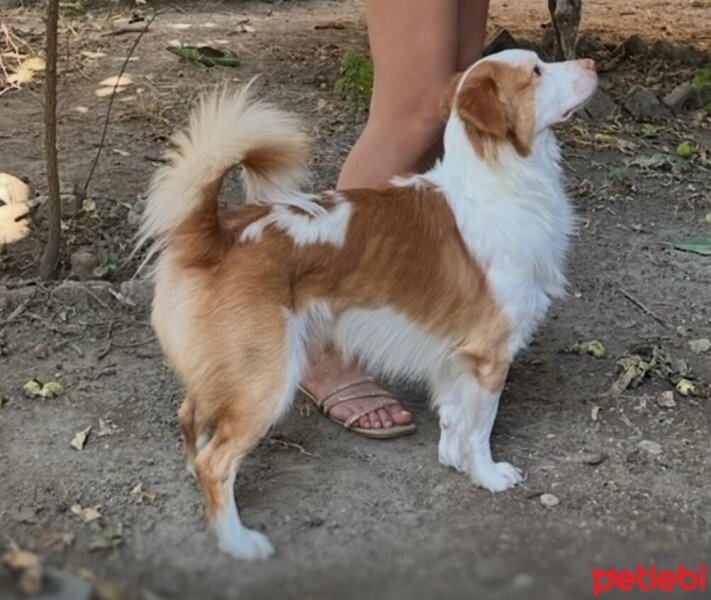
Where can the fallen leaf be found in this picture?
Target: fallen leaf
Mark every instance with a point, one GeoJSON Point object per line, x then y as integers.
{"type": "Point", "coordinates": [14, 222]}
{"type": "Point", "coordinates": [49, 538]}
{"type": "Point", "coordinates": [696, 245]}
{"type": "Point", "coordinates": [206, 55]}
{"type": "Point", "coordinates": [26, 71]}
{"type": "Point", "coordinates": [686, 387]}
{"type": "Point", "coordinates": [81, 109]}
{"type": "Point", "coordinates": [700, 346]}
{"type": "Point", "coordinates": [141, 496]}
{"type": "Point", "coordinates": [633, 368]}
{"type": "Point", "coordinates": [51, 389]}
{"type": "Point", "coordinates": [80, 438]}
{"type": "Point", "coordinates": [594, 347]}
{"type": "Point", "coordinates": [88, 514]}
{"type": "Point", "coordinates": [26, 567]}
{"type": "Point", "coordinates": [108, 85]}
{"type": "Point", "coordinates": [91, 54]}
{"type": "Point", "coordinates": [13, 190]}
{"type": "Point", "coordinates": [32, 388]}
{"type": "Point", "coordinates": [666, 400]}
{"type": "Point", "coordinates": [107, 536]}
{"type": "Point", "coordinates": [106, 428]}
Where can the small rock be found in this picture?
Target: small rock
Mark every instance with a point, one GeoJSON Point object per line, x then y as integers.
{"type": "Point", "coordinates": [700, 346]}
{"type": "Point", "coordinates": [83, 262]}
{"type": "Point", "coordinates": [644, 105]}
{"type": "Point", "coordinates": [635, 46]}
{"type": "Point", "coordinates": [502, 40]}
{"type": "Point", "coordinates": [589, 44]}
{"type": "Point", "coordinates": [69, 202]}
{"type": "Point", "coordinates": [549, 500]}
{"type": "Point", "coordinates": [690, 56]}
{"type": "Point", "coordinates": [650, 447]}
{"type": "Point", "coordinates": [593, 458]}
{"type": "Point", "coordinates": [684, 98]}
{"type": "Point", "coordinates": [40, 351]}
{"type": "Point", "coordinates": [666, 400]}
{"type": "Point", "coordinates": [138, 290]}
{"type": "Point", "coordinates": [663, 49]}
{"type": "Point", "coordinates": [522, 580]}
{"type": "Point", "coordinates": [601, 105]}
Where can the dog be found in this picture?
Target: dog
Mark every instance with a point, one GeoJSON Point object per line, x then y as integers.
{"type": "Point", "coordinates": [440, 277]}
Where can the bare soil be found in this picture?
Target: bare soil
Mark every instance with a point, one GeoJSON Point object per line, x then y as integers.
{"type": "Point", "coordinates": [353, 518]}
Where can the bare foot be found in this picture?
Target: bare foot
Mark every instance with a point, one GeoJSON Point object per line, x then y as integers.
{"type": "Point", "coordinates": [326, 373]}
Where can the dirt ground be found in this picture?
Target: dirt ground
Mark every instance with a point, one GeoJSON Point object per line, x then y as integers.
{"type": "Point", "coordinates": [353, 518]}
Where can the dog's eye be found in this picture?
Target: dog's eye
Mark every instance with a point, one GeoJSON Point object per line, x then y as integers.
{"type": "Point", "coordinates": [537, 71]}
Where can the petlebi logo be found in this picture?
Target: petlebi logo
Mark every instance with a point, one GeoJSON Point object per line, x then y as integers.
{"type": "Point", "coordinates": [649, 579]}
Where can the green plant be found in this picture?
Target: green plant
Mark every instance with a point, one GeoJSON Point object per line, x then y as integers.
{"type": "Point", "coordinates": [356, 81]}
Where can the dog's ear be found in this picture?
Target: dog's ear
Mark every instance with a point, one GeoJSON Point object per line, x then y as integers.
{"type": "Point", "coordinates": [481, 108]}
{"type": "Point", "coordinates": [447, 100]}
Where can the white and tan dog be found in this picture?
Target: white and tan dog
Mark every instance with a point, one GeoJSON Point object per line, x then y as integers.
{"type": "Point", "coordinates": [441, 277]}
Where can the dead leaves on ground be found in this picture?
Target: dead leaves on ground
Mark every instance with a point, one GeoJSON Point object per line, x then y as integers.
{"type": "Point", "coordinates": [26, 568]}
{"type": "Point", "coordinates": [644, 361]}
{"type": "Point", "coordinates": [80, 439]}
{"type": "Point", "coordinates": [15, 205]}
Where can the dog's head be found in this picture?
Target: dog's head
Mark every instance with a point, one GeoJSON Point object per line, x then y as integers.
{"type": "Point", "coordinates": [512, 96]}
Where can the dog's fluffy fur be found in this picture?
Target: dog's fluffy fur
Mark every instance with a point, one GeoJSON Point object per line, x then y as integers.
{"type": "Point", "coordinates": [441, 277]}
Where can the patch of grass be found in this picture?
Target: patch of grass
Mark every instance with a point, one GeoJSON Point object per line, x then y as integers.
{"type": "Point", "coordinates": [355, 84]}
{"type": "Point", "coordinates": [702, 78]}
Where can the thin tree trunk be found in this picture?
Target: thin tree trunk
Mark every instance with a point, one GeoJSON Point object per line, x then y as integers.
{"type": "Point", "coordinates": [50, 256]}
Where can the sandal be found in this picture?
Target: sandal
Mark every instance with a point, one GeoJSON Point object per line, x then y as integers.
{"type": "Point", "coordinates": [378, 399]}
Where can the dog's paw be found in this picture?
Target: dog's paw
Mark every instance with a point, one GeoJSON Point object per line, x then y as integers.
{"type": "Point", "coordinates": [248, 545]}
{"type": "Point", "coordinates": [497, 477]}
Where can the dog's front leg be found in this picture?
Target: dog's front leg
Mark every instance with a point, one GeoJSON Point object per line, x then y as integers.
{"type": "Point", "coordinates": [479, 402]}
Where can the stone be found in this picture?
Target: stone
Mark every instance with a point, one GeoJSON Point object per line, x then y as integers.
{"type": "Point", "coordinates": [651, 447]}
{"type": "Point", "coordinates": [600, 106]}
{"type": "Point", "coordinates": [83, 263]}
{"type": "Point", "coordinates": [635, 46]}
{"type": "Point", "coordinates": [684, 98]}
{"type": "Point", "coordinates": [502, 40]}
{"type": "Point", "coordinates": [644, 105]}
{"type": "Point", "coordinates": [663, 49]}
{"type": "Point", "coordinates": [140, 291]}
{"type": "Point", "coordinates": [690, 56]}
{"type": "Point", "coordinates": [666, 400]}
{"type": "Point", "coordinates": [549, 500]}
{"type": "Point", "coordinates": [589, 44]}
{"type": "Point", "coordinates": [40, 351]}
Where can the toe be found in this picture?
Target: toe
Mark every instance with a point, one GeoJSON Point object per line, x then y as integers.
{"type": "Point", "coordinates": [399, 415]}
{"type": "Point", "coordinates": [384, 417]}
{"type": "Point", "coordinates": [375, 420]}
{"type": "Point", "coordinates": [364, 422]}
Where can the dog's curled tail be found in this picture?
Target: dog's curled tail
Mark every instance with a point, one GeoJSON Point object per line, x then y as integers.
{"type": "Point", "coordinates": [226, 129]}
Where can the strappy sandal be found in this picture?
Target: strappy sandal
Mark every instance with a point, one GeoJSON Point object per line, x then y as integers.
{"type": "Point", "coordinates": [372, 401]}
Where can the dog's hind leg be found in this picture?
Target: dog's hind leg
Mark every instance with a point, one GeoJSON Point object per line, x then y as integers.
{"type": "Point", "coordinates": [216, 466]}
{"type": "Point", "coordinates": [246, 398]}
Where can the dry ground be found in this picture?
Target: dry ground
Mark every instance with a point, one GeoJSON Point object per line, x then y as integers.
{"type": "Point", "coordinates": [353, 518]}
